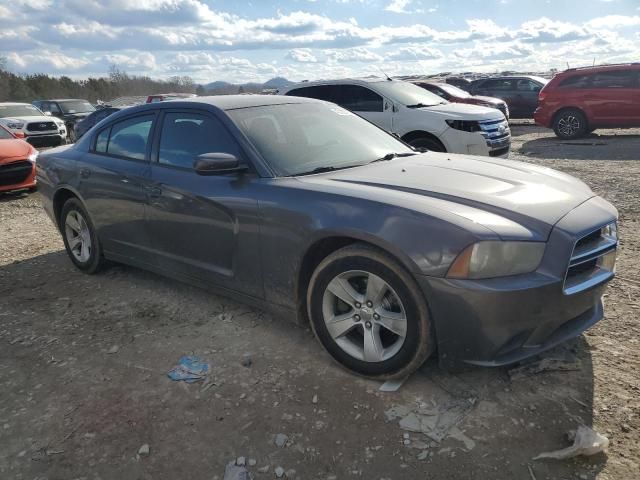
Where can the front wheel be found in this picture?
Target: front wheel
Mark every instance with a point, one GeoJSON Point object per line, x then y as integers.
{"type": "Point", "coordinates": [80, 238]}
{"type": "Point", "coordinates": [570, 124]}
{"type": "Point", "coordinates": [369, 314]}
{"type": "Point", "coordinates": [427, 143]}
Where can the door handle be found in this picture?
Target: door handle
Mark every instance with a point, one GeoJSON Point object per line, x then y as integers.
{"type": "Point", "coordinates": [153, 191]}
{"type": "Point", "coordinates": [85, 173]}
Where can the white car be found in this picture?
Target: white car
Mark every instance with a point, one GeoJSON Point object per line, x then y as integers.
{"type": "Point", "coordinates": [420, 118]}
{"type": "Point", "coordinates": [26, 121]}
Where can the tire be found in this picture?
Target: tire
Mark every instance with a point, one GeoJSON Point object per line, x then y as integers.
{"type": "Point", "coordinates": [32, 189]}
{"type": "Point", "coordinates": [570, 123]}
{"type": "Point", "coordinates": [395, 295]}
{"type": "Point", "coordinates": [427, 143]}
{"type": "Point", "coordinates": [71, 135]}
{"type": "Point", "coordinates": [86, 253]}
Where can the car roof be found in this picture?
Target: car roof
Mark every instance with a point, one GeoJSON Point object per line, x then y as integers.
{"type": "Point", "coordinates": [339, 81]}
{"type": "Point", "coordinates": [64, 100]}
{"type": "Point", "coordinates": [15, 103]}
{"type": "Point", "coordinates": [601, 68]}
{"type": "Point", "coordinates": [513, 77]}
{"type": "Point", "coordinates": [232, 102]}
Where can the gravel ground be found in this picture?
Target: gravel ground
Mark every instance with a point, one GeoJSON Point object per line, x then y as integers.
{"type": "Point", "coordinates": [83, 362]}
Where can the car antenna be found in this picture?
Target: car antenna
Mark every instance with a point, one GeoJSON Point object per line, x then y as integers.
{"type": "Point", "coordinates": [568, 67]}
{"type": "Point", "coordinates": [594, 62]}
{"type": "Point", "coordinates": [388, 77]}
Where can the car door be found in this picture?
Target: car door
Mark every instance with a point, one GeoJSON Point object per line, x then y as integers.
{"type": "Point", "coordinates": [368, 104]}
{"type": "Point", "coordinates": [610, 98]}
{"type": "Point", "coordinates": [503, 88]}
{"type": "Point", "coordinates": [526, 96]}
{"type": "Point", "coordinates": [112, 177]}
{"type": "Point", "coordinates": [203, 227]}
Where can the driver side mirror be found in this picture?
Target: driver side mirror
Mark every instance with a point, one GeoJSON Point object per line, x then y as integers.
{"type": "Point", "coordinates": [217, 163]}
{"type": "Point", "coordinates": [47, 113]}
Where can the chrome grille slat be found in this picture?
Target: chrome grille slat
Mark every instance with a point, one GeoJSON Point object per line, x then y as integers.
{"type": "Point", "coordinates": [592, 247]}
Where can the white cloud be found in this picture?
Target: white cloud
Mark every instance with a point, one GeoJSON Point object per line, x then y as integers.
{"type": "Point", "coordinates": [614, 21]}
{"type": "Point", "coordinates": [398, 6]}
{"type": "Point", "coordinates": [302, 55]}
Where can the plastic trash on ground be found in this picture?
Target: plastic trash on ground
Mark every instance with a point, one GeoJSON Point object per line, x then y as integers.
{"type": "Point", "coordinates": [587, 442]}
{"type": "Point", "coordinates": [189, 369]}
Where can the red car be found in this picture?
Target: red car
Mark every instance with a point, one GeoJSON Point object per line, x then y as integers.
{"type": "Point", "coordinates": [17, 163]}
{"type": "Point", "coordinates": [579, 100]}
{"type": "Point", "coordinates": [454, 94]}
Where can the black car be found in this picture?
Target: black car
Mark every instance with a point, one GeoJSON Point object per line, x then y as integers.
{"type": "Point", "coordinates": [459, 82]}
{"type": "Point", "coordinates": [68, 109]}
{"type": "Point", "coordinates": [520, 92]}
{"type": "Point", "coordinates": [84, 125]}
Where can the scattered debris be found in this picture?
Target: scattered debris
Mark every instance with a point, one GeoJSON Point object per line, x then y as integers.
{"type": "Point", "coordinates": [561, 363]}
{"type": "Point", "coordinates": [264, 469]}
{"type": "Point", "coordinates": [235, 472]}
{"type": "Point", "coordinates": [189, 369]}
{"type": "Point", "coordinates": [436, 421]}
{"type": "Point", "coordinates": [246, 360]}
{"type": "Point", "coordinates": [279, 472]}
{"type": "Point", "coordinates": [113, 349]}
{"type": "Point", "coordinates": [281, 440]}
{"type": "Point", "coordinates": [240, 461]}
{"type": "Point", "coordinates": [392, 385]}
{"type": "Point", "coordinates": [144, 450]}
{"type": "Point", "coordinates": [531, 474]}
{"type": "Point", "coordinates": [458, 434]}
{"type": "Point", "coordinates": [587, 442]}
{"type": "Point", "coordinates": [314, 399]}
{"type": "Point", "coordinates": [252, 462]}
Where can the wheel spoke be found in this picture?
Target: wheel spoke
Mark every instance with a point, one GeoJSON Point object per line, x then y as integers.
{"type": "Point", "coordinates": [340, 325]}
{"type": "Point", "coordinates": [373, 349]}
{"type": "Point", "coordinates": [85, 251]}
{"type": "Point", "coordinates": [342, 289]}
{"type": "Point", "coordinates": [394, 322]}
{"type": "Point", "coordinates": [73, 223]}
{"type": "Point", "coordinates": [74, 242]}
{"type": "Point", "coordinates": [376, 288]}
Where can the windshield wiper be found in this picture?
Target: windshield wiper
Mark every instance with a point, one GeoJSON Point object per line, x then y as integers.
{"type": "Point", "coordinates": [419, 105]}
{"type": "Point", "coordinates": [322, 170]}
{"type": "Point", "coordinates": [392, 155]}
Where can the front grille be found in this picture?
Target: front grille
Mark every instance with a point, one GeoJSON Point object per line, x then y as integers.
{"type": "Point", "coordinates": [497, 134]}
{"type": "Point", "coordinates": [591, 262]}
{"type": "Point", "coordinates": [41, 126]}
{"type": "Point", "coordinates": [15, 172]}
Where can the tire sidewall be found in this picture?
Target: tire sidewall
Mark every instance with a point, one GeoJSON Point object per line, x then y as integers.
{"type": "Point", "coordinates": [428, 143]}
{"type": "Point", "coordinates": [95, 259]}
{"type": "Point", "coordinates": [415, 323]}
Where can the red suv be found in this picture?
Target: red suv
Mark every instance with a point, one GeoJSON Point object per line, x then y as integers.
{"type": "Point", "coordinates": [579, 100]}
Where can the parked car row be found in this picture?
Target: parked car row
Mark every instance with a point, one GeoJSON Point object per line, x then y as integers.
{"type": "Point", "coordinates": [304, 208]}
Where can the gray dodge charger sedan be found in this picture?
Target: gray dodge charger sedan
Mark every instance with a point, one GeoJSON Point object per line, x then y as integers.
{"type": "Point", "coordinates": [303, 208]}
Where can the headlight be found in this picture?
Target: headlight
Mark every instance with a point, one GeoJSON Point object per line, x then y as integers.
{"type": "Point", "coordinates": [33, 157]}
{"type": "Point", "coordinates": [610, 231]}
{"type": "Point", "coordinates": [15, 126]}
{"type": "Point", "coordinates": [497, 259]}
{"type": "Point", "coordinates": [464, 125]}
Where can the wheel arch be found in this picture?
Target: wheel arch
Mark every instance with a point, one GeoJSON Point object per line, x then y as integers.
{"type": "Point", "coordinates": [554, 117]}
{"type": "Point", "coordinates": [60, 197]}
{"type": "Point", "coordinates": [322, 247]}
{"type": "Point", "coordinates": [414, 134]}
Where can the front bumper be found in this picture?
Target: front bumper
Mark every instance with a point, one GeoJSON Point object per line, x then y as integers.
{"type": "Point", "coordinates": [500, 321]}
{"type": "Point", "coordinates": [493, 141]}
{"type": "Point", "coordinates": [543, 117]}
{"type": "Point", "coordinates": [18, 175]}
{"type": "Point", "coordinates": [47, 140]}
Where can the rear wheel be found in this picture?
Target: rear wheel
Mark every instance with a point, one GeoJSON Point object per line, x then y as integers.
{"type": "Point", "coordinates": [79, 236]}
{"type": "Point", "coordinates": [369, 314]}
{"type": "Point", "coordinates": [570, 123]}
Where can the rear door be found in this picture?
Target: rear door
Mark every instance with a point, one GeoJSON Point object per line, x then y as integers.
{"type": "Point", "coordinates": [503, 88]}
{"type": "Point", "coordinates": [610, 98]}
{"type": "Point", "coordinates": [526, 96]}
{"type": "Point", "coordinates": [113, 175]}
{"type": "Point", "coordinates": [203, 227]}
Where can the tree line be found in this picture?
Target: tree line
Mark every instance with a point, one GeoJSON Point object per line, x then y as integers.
{"type": "Point", "coordinates": [27, 88]}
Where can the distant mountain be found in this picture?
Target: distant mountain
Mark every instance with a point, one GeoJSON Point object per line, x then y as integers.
{"type": "Point", "coordinates": [221, 88]}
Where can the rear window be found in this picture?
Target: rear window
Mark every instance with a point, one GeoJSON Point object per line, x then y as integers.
{"type": "Point", "coordinates": [614, 79]}
{"type": "Point", "coordinates": [576, 81]}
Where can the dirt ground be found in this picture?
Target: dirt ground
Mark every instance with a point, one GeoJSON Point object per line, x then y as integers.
{"type": "Point", "coordinates": [84, 361]}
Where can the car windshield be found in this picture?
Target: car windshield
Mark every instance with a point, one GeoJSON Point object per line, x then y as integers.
{"type": "Point", "coordinates": [407, 93]}
{"type": "Point", "coordinates": [19, 111]}
{"type": "Point", "coordinates": [4, 135]}
{"type": "Point", "coordinates": [76, 106]}
{"type": "Point", "coordinates": [455, 91]}
{"type": "Point", "coordinates": [302, 138]}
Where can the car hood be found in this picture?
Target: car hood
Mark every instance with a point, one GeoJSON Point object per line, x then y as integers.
{"type": "Point", "coordinates": [533, 196]}
{"type": "Point", "coordinates": [28, 118]}
{"type": "Point", "coordinates": [491, 100]}
{"type": "Point", "coordinates": [12, 148]}
{"type": "Point", "coordinates": [461, 111]}
{"type": "Point", "coordinates": [76, 116]}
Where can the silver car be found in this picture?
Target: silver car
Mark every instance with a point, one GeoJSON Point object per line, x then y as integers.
{"type": "Point", "coordinates": [303, 208]}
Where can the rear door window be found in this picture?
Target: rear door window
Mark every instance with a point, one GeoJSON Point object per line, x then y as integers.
{"type": "Point", "coordinates": [615, 79]}
{"type": "Point", "coordinates": [328, 93]}
{"type": "Point", "coordinates": [498, 85]}
{"type": "Point", "coordinates": [128, 138]}
{"type": "Point", "coordinates": [526, 85]}
{"type": "Point", "coordinates": [576, 81]}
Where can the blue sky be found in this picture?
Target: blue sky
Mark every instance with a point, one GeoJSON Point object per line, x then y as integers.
{"type": "Point", "coordinates": [241, 41]}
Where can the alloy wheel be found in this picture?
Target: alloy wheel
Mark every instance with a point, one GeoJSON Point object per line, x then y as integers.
{"type": "Point", "coordinates": [569, 125]}
{"type": "Point", "coordinates": [364, 316]}
{"type": "Point", "coordinates": [78, 236]}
